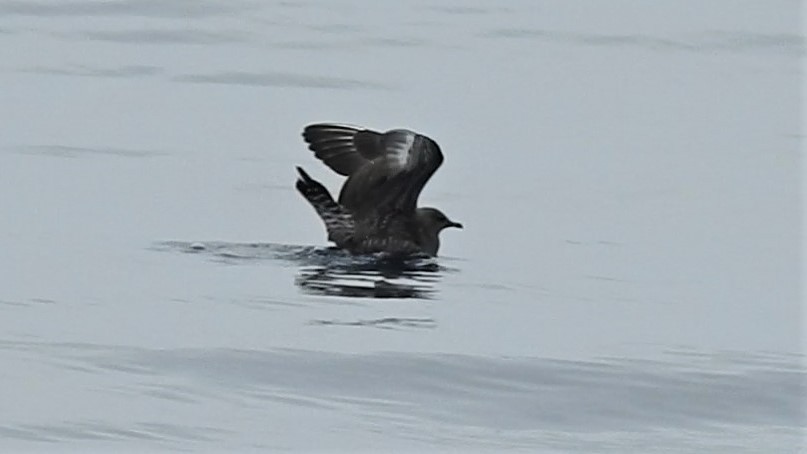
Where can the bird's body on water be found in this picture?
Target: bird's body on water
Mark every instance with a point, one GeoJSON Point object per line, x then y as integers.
{"type": "Point", "coordinates": [377, 206]}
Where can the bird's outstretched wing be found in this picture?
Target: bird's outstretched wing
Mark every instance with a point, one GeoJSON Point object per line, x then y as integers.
{"type": "Point", "coordinates": [338, 223]}
{"type": "Point", "coordinates": [389, 233]}
{"type": "Point", "coordinates": [386, 171]}
{"type": "Point", "coordinates": [343, 148]}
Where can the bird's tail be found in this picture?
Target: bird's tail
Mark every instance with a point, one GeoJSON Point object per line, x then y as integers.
{"type": "Point", "coordinates": [338, 222]}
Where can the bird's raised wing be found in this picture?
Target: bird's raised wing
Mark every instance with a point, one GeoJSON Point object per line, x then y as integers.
{"type": "Point", "coordinates": [386, 171]}
{"type": "Point", "coordinates": [338, 223]}
{"type": "Point", "coordinates": [343, 148]}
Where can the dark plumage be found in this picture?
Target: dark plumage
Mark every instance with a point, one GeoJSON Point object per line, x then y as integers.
{"type": "Point", "coordinates": [377, 207]}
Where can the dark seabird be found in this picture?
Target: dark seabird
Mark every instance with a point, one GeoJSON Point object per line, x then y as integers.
{"type": "Point", "coordinates": [377, 207]}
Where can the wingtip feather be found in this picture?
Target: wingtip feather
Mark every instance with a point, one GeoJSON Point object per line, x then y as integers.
{"type": "Point", "coordinates": [304, 175]}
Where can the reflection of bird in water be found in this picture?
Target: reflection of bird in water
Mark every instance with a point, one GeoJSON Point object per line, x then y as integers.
{"type": "Point", "coordinates": [377, 207]}
{"type": "Point", "coordinates": [376, 277]}
{"type": "Point", "coordinates": [332, 271]}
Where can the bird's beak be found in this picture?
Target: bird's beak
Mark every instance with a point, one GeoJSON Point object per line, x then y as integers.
{"type": "Point", "coordinates": [455, 224]}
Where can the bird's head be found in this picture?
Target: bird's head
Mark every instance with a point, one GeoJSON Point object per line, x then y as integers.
{"type": "Point", "coordinates": [433, 220]}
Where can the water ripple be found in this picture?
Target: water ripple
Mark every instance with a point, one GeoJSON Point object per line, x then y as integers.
{"type": "Point", "coordinates": [87, 71]}
{"type": "Point", "coordinates": [155, 36]}
{"type": "Point", "coordinates": [384, 323]}
{"type": "Point", "coordinates": [126, 8]}
{"type": "Point", "coordinates": [498, 393]}
{"type": "Point", "coordinates": [94, 430]}
{"type": "Point", "coordinates": [706, 42]}
{"type": "Point", "coordinates": [279, 79]}
{"type": "Point", "coordinates": [529, 401]}
{"type": "Point", "coordinates": [330, 271]}
{"type": "Point", "coordinates": [64, 151]}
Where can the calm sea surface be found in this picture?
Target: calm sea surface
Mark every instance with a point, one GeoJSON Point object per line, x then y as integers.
{"type": "Point", "coordinates": [628, 279]}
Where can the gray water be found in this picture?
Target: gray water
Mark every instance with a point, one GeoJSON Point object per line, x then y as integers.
{"type": "Point", "coordinates": [628, 279]}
